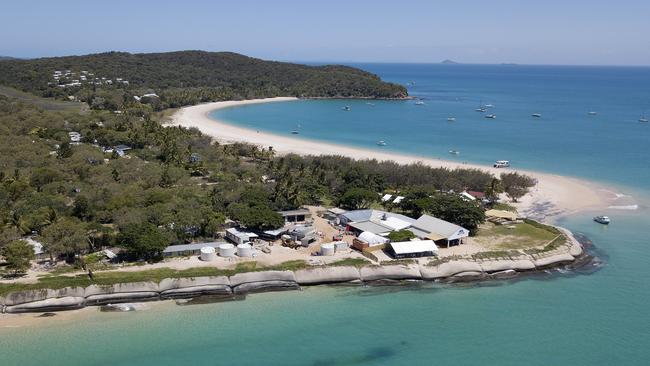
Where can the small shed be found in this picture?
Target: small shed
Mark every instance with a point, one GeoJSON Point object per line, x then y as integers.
{"type": "Point", "coordinates": [368, 241]}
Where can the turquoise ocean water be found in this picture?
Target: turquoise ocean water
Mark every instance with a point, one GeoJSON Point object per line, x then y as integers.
{"type": "Point", "coordinates": [579, 319]}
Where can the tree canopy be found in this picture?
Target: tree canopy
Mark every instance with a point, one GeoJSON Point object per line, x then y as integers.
{"type": "Point", "coordinates": [17, 255]}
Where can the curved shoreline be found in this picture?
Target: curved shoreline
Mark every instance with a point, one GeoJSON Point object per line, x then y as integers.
{"type": "Point", "coordinates": [554, 195]}
{"type": "Point", "coordinates": [449, 270]}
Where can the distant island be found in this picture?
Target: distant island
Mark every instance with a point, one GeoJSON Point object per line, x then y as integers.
{"type": "Point", "coordinates": [450, 62]}
{"type": "Point", "coordinates": [111, 80]}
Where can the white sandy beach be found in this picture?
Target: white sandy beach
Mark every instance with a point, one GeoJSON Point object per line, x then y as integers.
{"type": "Point", "coordinates": [554, 194]}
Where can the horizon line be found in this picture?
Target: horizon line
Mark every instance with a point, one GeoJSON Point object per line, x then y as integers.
{"type": "Point", "coordinates": [452, 63]}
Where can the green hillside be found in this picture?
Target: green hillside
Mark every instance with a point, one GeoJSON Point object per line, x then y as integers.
{"type": "Point", "coordinates": [110, 80]}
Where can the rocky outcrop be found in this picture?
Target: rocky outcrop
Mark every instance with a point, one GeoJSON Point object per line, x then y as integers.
{"type": "Point", "coordinates": [54, 304]}
{"type": "Point", "coordinates": [506, 264]}
{"type": "Point", "coordinates": [262, 281]}
{"type": "Point", "coordinates": [324, 275]}
{"type": "Point", "coordinates": [576, 250]}
{"type": "Point", "coordinates": [449, 269]}
{"type": "Point", "coordinates": [459, 270]}
{"type": "Point", "coordinates": [388, 272]}
{"type": "Point", "coordinates": [553, 260]}
{"type": "Point", "coordinates": [121, 292]}
{"type": "Point", "coordinates": [22, 297]}
{"type": "Point", "coordinates": [179, 288]}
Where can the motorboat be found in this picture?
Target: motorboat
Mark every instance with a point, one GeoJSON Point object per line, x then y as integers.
{"type": "Point", "coordinates": [347, 108]}
{"type": "Point", "coordinates": [592, 113]}
{"type": "Point", "coordinates": [537, 115]}
{"type": "Point", "coordinates": [295, 132]}
{"type": "Point", "coordinates": [501, 164]}
{"type": "Point", "coordinates": [491, 116]}
{"type": "Point", "coordinates": [454, 152]}
{"type": "Point", "coordinates": [643, 119]}
{"type": "Point", "coordinates": [381, 143]}
{"type": "Point", "coordinates": [489, 106]}
{"type": "Point", "coordinates": [605, 220]}
{"type": "Point", "coordinates": [419, 102]}
{"type": "Point", "coordinates": [451, 119]}
{"type": "Point", "coordinates": [481, 109]}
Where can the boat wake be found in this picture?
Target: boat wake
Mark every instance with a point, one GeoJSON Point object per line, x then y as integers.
{"type": "Point", "coordinates": [624, 207]}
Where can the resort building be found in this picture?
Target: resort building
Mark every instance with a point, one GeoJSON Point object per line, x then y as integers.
{"type": "Point", "coordinates": [442, 232]}
{"type": "Point", "coordinates": [295, 216]}
{"type": "Point", "coordinates": [239, 237]}
{"type": "Point", "coordinates": [413, 249]}
{"type": "Point", "coordinates": [374, 221]}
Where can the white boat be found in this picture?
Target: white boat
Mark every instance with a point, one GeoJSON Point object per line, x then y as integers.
{"type": "Point", "coordinates": [605, 220]}
{"type": "Point", "coordinates": [481, 109]}
{"type": "Point", "coordinates": [489, 106]}
{"type": "Point", "coordinates": [347, 108]}
{"type": "Point", "coordinates": [537, 115]}
{"type": "Point", "coordinates": [491, 116]}
{"type": "Point", "coordinates": [501, 164]}
{"type": "Point", "coordinates": [295, 132]}
{"type": "Point", "coordinates": [643, 119]}
{"type": "Point", "coordinates": [454, 152]}
{"type": "Point", "coordinates": [381, 143]}
{"type": "Point", "coordinates": [451, 119]}
{"type": "Point", "coordinates": [592, 113]}
{"type": "Point", "coordinates": [419, 102]}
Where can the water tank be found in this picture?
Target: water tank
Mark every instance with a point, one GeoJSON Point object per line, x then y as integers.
{"type": "Point", "coordinates": [341, 246]}
{"type": "Point", "coordinates": [245, 250]}
{"type": "Point", "coordinates": [208, 254]}
{"type": "Point", "coordinates": [327, 249]}
{"type": "Point", "coordinates": [227, 250]}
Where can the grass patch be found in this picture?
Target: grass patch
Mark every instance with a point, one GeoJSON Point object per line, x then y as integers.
{"type": "Point", "coordinates": [497, 254]}
{"type": "Point", "coordinates": [526, 235]}
{"type": "Point", "coordinates": [354, 262]}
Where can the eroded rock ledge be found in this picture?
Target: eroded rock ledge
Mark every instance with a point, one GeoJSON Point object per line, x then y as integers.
{"type": "Point", "coordinates": [454, 270]}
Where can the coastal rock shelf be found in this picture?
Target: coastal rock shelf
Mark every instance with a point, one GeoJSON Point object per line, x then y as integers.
{"type": "Point", "coordinates": [456, 270]}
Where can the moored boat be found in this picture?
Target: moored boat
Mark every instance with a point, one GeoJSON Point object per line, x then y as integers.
{"type": "Point", "coordinates": [537, 115]}
{"type": "Point", "coordinates": [381, 143]}
{"type": "Point", "coordinates": [501, 164]}
{"type": "Point", "coordinates": [451, 119]}
{"type": "Point", "coordinates": [605, 220]}
{"type": "Point", "coordinates": [491, 116]}
{"type": "Point", "coordinates": [347, 108]}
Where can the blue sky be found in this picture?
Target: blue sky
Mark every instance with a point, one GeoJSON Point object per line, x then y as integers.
{"type": "Point", "coordinates": [595, 32]}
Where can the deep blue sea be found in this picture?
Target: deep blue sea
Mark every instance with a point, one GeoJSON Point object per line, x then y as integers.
{"type": "Point", "coordinates": [573, 319]}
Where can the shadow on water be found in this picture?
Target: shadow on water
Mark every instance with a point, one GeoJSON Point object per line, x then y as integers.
{"type": "Point", "coordinates": [370, 357]}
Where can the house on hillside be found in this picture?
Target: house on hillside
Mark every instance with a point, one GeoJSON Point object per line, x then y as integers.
{"type": "Point", "coordinates": [442, 232]}
{"type": "Point", "coordinates": [295, 216]}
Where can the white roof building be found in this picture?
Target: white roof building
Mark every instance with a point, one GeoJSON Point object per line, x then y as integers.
{"type": "Point", "coordinates": [416, 248]}
{"type": "Point", "coordinates": [372, 239]}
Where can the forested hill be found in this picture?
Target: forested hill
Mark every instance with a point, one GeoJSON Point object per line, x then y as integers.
{"type": "Point", "coordinates": [107, 80]}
